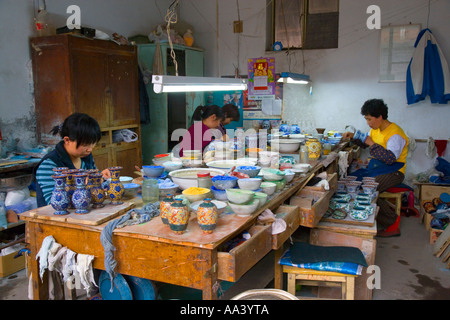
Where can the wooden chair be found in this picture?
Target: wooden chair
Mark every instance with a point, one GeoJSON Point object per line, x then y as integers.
{"type": "Point", "coordinates": [320, 278]}
{"type": "Point", "coordinates": [397, 196]}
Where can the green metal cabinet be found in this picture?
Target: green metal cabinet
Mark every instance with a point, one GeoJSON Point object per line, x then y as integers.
{"type": "Point", "coordinates": [169, 111]}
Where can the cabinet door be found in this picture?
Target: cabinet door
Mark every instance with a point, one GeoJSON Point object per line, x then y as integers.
{"type": "Point", "coordinates": [127, 155]}
{"type": "Point", "coordinates": [89, 85]}
{"type": "Point", "coordinates": [102, 157]}
{"type": "Point", "coordinates": [194, 68]}
{"type": "Point", "coordinates": [123, 90]}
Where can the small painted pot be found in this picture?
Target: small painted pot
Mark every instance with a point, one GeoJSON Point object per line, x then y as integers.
{"type": "Point", "coordinates": [60, 199]}
{"type": "Point", "coordinates": [115, 189]}
{"type": "Point", "coordinates": [81, 198]}
{"type": "Point", "coordinates": [341, 186]}
{"type": "Point", "coordinates": [207, 216]}
{"type": "Point", "coordinates": [178, 216]}
{"type": "Point", "coordinates": [89, 183]}
{"type": "Point", "coordinates": [98, 195]}
{"type": "Point", "coordinates": [359, 214]}
{"type": "Point", "coordinates": [70, 184]}
{"type": "Point", "coordinates": [165, 207]}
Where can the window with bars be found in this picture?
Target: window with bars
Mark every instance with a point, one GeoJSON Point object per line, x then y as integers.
{"type": "Point", "coordinates": [304, 24]}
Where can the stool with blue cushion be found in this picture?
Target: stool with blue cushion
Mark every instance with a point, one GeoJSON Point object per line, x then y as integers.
{"type": "Point", "coordinates": [323, 266]}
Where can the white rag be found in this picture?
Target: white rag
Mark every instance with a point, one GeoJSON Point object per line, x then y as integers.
{"type": "Point", "coordinates": [42, 255]}
{"type": "Point", "coordinates": [85, 271]}
{"type": "Point", "coordinates": [52, 252]}
{"type": "Point", "coordinates": [69, 265]}
{"type": "Point", "coordinates": [278, 225]}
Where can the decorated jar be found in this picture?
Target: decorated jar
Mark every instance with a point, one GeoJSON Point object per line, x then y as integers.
{"type": "Point", "coordinates": [165, 206]}
{"type": "Point", "coordinates": [207, 216]}
{"type": "Point", "coordinates": [70, 184]}
{"type": "Point", "coordinates": [115, 189]}
{"type": "Point", "coordinates": [89, 183]}
{"type": "Point", "coordinates": [178, 216]}
{"type": "Point", "coordinates": [81, 198]}
{"type": "Point", "coordinates": [98, 195]}
{"type": "Point", "coordinates": [314, 148]}
{"type": "Point", "coordinates": [60, 199]}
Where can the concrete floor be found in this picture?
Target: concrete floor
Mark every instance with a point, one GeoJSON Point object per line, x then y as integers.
{"type": "Point", "coordinates": [409, 271]}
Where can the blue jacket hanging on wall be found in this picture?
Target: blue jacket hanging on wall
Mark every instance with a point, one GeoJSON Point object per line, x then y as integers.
{"type": "Point", "coordinates": [428, 72]}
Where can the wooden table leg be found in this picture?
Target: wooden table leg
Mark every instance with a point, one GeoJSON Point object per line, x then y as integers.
{"type": "Point", "coordinates": [40, 287]}
{"type": "Point", "coordinates": [209, 291]}
{"type": "Point", "coordinates": [278, 269]}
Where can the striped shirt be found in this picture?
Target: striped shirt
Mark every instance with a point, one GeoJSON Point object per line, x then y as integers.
{"type": "Point", "coordinates": [44, 177]}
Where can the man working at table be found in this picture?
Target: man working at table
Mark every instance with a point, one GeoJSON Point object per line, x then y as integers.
{"type": "Point", "coordinates": [388, 146]}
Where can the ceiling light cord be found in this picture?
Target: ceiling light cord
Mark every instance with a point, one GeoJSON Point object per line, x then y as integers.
{"type": "Point", "coordinates": [171, 17]}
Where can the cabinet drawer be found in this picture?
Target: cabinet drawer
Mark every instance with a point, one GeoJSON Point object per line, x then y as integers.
{"type": "Point", "coordinates": [291, 215]}
{"type": "Point", "coordinates": [233, 264]}
{"type": "Point", "coordinates": [313, 205]}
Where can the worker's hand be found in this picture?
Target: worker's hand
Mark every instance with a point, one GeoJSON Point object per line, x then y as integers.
{"type": "Point", "coordinates": [225, 138]}
{"type": "Point", "coordinates": [369, 141]}
{"type": "Point", "coordinates": [347, 135]}
{"type": "Point", "coordinates": [106, 174]}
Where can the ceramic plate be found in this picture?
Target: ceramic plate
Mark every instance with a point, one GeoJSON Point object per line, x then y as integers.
{"type": "Point", "coordinates": [142, 289]}
{"type": "Point", "coordinates": [121, 289]}
{"type": "Point", "coordinates": [358, 216]}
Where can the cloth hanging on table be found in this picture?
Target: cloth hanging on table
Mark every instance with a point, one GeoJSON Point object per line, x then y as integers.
{"type": "Point", "coordinates": [69, 264]}
{"type": "Point", "coordinates": [85, 271]}
{"type": "Point", "coordinates": [133, 216]}
{"type": "Point", "coordinates": [428, 72]}
{"type": "Point", "coordinates": [42, 255]}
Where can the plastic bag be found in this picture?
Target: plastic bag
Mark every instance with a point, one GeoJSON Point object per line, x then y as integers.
{"type": "Point", "coordinates": [125, 135]}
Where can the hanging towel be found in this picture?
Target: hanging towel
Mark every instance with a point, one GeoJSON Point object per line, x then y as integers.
{"type": "Point", "coordinates": [69, 265]}
{"type": "Point", "coordinates": [428, 72]}
{"type": "Point", "coordinates": [441, 145]}
{"type": "Point", "coordinates": [42, 255]}
{"type": "Point", "coordinates": [85, 271]}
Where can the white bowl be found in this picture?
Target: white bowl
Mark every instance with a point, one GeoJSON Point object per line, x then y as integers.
{"type": "Point", "coordinates": [286, 145]}
{"type": "Point", "coordinates": [262, 198]}
{"type": "Point", "coordinates": [244, 209]}
{"type": "Point", "coordinates": [186, 178]}
{"type": "Point", "coordinates": [289, 176]}
{"type": "Point", "coordinates": [272, 174]}
{"type": "Point", "coordinates": [172, 165]}
{"type": "Point", "coordinates": [249, 184]}
{"type": "Point", "coordinates": [268, 188]}
{"type": "Point", "coordinates": [219, 204]}
{"type": "Point", "coordinates": [192, 154]}
{"type": "Point", "coordinates": [125, 179]}
{"type": "Point", "coordinates": [239, 196]}
{"type": "Point", "coordinates": [228, 164]}
{"type": "Point", "coordinates": [301, 167]}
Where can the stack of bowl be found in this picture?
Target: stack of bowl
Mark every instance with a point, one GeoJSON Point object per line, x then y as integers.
{"type": "Point", "coordinates": [242, 202]}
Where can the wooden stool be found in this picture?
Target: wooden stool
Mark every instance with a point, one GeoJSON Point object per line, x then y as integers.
{"type": "Point", "coordinates": [316, 278]}
{"type": "Point", "coordinates": [397, 196]}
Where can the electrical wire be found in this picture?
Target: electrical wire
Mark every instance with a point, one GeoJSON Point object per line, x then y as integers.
{"type": "Point", "coordinates": [171, 18]}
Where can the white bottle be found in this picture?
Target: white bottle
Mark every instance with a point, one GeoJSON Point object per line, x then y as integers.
{"type": "Point", "coordinates": [42, 23]}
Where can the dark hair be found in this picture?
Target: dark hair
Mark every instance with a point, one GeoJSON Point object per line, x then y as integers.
{"type": "Point", "coordinates": [231, 111]}
{"type": "Point", "coordinates": [204, 112]}
{"type": "Point", "coordinates": [79, 127]}
{"type": "Point", "coordinates": [375, 108]}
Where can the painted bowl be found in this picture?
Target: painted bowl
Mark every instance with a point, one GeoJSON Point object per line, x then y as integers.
{"type": "Point", "coordinates": [224, 182]}
{"type": "Point", "coordinates": [172, 165]}
{"type": "Point", "coordinates": [369, 189]}
{"type": "Point", "coordinates": [359, 214]}
{"type": "Point", "coordinates": [131, 189]}
{"type": "Point", "coordinates": [251, 171]}
{"type": "Point", "coordinates": [268, 188]}
{"type": "Point", "coordinates": [153, 171]}
{"type": "Point", "coordinates": [194, 194]}
{"type": "Point", "coordinates": [341, 185]}
{"type": "Point", "coordinates": [249, 184]}
{"type": "Point", "coordinates": [239, 196]}
{"type": "Point", "coordinates": [273, 174]}
{"type": "Point", "coordinates": [186, 178]}
{"type": "Point", "coordinates": [244, 209]}
{"type": "Point", "coordinates": [219, 194]}
{"type": "Point", "coordinates": [165, 191]}
{"type": "Point", "coordinates": [261, 197]}
{"type": "Point", "coordinates": [220, 205]}
{"type": "Point", "coordinates": [289, 176]}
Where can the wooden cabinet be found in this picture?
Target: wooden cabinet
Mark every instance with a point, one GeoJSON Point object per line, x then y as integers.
{"type": "Point", "coordinates": [169, 112]}
{"type": "Point", "coordinates": [97, 77]}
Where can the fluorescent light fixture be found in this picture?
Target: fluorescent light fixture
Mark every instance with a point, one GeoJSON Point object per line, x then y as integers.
{"type": "Point", "coordinates": [194, 84]}
{"type": "Point", "coordinates": [295, 78]}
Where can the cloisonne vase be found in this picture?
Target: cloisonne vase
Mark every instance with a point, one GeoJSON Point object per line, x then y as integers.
{"type": "Point", "coordinates": [115, 190]}
{"type": "Point", "coordinates": [81, 198]}
{"type": "Point", "coordinates": [98, 195]}
{"type": "Point", "coordinates": [60, 199]}
{"type": "Point", "coordinates": [178, 216]}
{"type": "Point", "coordinates": [207, 216]}
{"type": "Point", "coordinates": [59, 170]}
{"type": "Point", "coordinates": [89, 183]}
{"type": "Point", "coordinates": [70, 184]}
{"type": "Point", "coordinates": [164, 208]}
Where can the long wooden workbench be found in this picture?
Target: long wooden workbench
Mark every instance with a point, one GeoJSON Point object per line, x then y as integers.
{"type": "Point", "coordinates": [152, 251]}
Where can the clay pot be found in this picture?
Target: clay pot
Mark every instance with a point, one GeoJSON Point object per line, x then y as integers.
{"type": "Point", "coordinates": [178, 216]}
{"type": "Point", "coordinates": [207, 216]}
{"type": "Point", "coordinates": [60, 199]}
{"type": "Point", "coordinates": [81, 197]}
{"type": "Point", "coordinates": [116, 189]}
{"type": "Point", "coordinates": [165, 207]}
{"type": "Point", "coordinates": [98, 195]}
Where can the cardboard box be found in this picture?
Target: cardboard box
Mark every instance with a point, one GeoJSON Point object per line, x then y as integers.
{"type": "Point", "coordinates": [10, 265]}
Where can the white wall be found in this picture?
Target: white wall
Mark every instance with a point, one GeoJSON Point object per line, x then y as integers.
{"type": "Point", "coordinates": [343, 78]}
